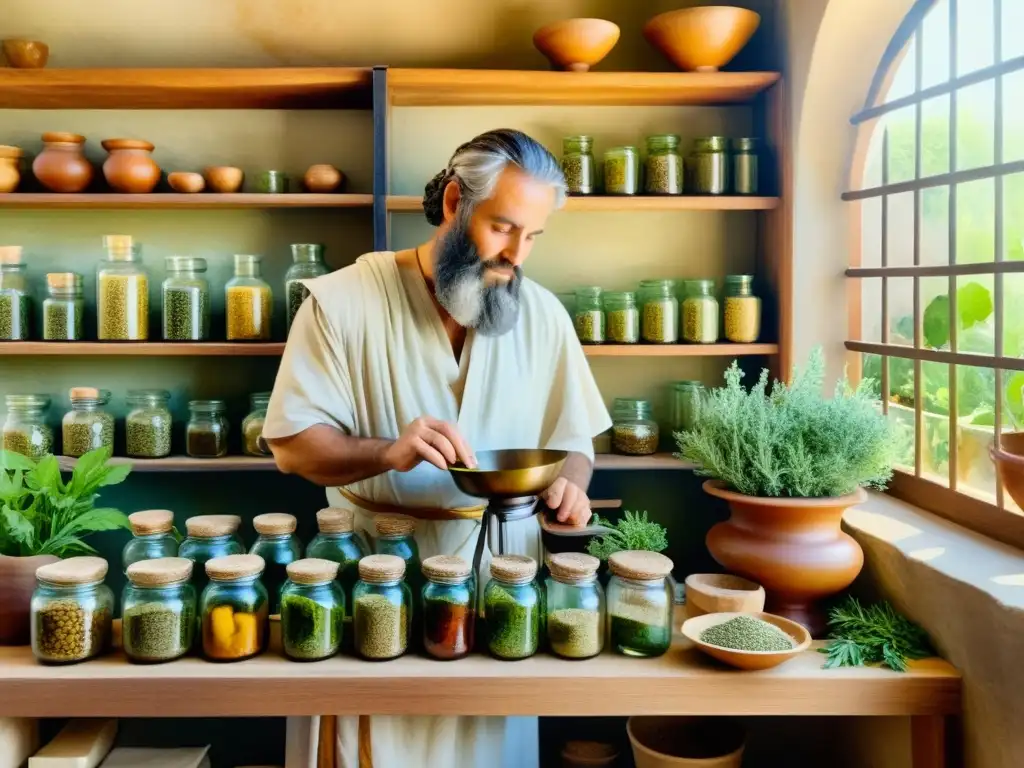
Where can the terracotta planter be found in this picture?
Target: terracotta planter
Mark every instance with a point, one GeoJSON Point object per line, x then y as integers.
{"type": "Point", "coordinates": [17, 581]}
{"type": "Point", "coordinates": [10, 174]}
{"type": "Point", "coordinates": [130, 168]}
{"type": "Point", "coordinates": [1009, 459]}
{"type": "Point", "coordinates": [794, 548]}
{"type": "Point", "coordinates": [61, 166]}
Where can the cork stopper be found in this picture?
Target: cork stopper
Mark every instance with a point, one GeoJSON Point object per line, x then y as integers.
{"type": "Point", "coordinates": [640, 565]}
{"type": "Point", "coordinates": [379, 569]}
{"type": "Point", "coordinates": [514, 569]}
{"type": "Point", "coordinates": [446, 568]}
{"type": "Point", "coordinates": [63, 281]}
{"type": "Point", "coordinates": [119, 247]}
{"type": "Point", "coordinates": [73, 571]}
{"type": "Point", "coordinates": [312, 570]}
{"type": "Point", "coordinates": [211, 526]}
{"type": "Point", "coordinates": [159, 571]}
{"type": "Point", "coordinates": [394, 525]}
{"type": "Point", "coordinates": [573, 566]}
{"type": "Point", "coordinates": [274, 523]}
{"type": "Point", "coordinates": [84, 393]}
{"type": "Point", "coordinates": [231, 567]}
{"type": "Point", "coordinates": [151, 521]}
{"type": "Point", "coordinates": [335, 520]}
{"type": "Point", "coordinates": [10, 254]}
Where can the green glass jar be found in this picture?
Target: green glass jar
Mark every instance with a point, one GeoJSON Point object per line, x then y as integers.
{"type": "Point", "coordinates": [71, 610]}
{"type": "Point", "coordinates": [622, 318]}
{"type": "Point", "coordinates": [186, 299]}
{"type": "Point", "coordinates": [312, 610]}
{"type": "Point", "coordinates": [700, 314]}
{"type": "Point", "coordinates": [122, 292]}
{"type": "Point", "coordinates": [513, 607]}
{"type": "Point", "coordinates": [744, 166]}
{"type": "Point", "coordinates": [14, 295]}
{"type": "Point", "coordinates": [158, 610]}
{"type": "Point", "coordinates": [148, 424]}
{"type": "Point", "coordinates": [682, 404]}
{"type": "Point", "coordinates": [621, 171]}
{"type": "Point", "coordinates": [578, 164]}
{"type": "Point", "coordinates": [25, 429]}
{"type": "Point", "coordinates": [663, 169]}
{"type": "Point", "coordinates": [272, 182]}
{"type": "Point", "coordinates": [660, 323]}
{"type": "Point", "coordinates": [152, 537]}
{"type": "Point", "coordinates": [634, 430]}
{"type": "Point", "coordinates": [588, 317]}
{"type": "Point", "coordinates": [206, 434]}
{"type": "Point", "coordinates": [381, 608]}
{"type": "Point", "coordinates": [233, 609]}
{"type": "Point", "coordinates": [639, 603]}
{"type": "Point", "coordinates": [575, 606]}
{"type": "Point", "coordinates": [209, 536]}
{"type": "Point", "coordinates": [253, 443]}
{"type": "Point", "coordinates": [742, 309]}
{"type": "Point", "coordinates": [338, 542]}
{"type": "Point", "coordinates": [63, 307]}
{"type": "Point", "coordinates": [708, 166]}
{"type": "Point", "coordinates": [307, 264]}
{"type": "Point", "coordinates": [87, 426]}
{"type": "Point", "coordinates": [278, 545]}
{"type": "Point", "coordinates": [449, 607]}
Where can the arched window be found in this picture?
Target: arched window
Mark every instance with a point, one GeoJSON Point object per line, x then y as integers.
{"type": "Point", "coordinates": [937, 273]}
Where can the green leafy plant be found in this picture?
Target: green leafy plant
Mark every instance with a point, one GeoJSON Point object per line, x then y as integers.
{"type": "Point", "coordinates": [790, 441]}
{"type": "Point", "coordinates": [633, 531]}
{"type": "Point", "coordinates": [875, 634]}
{"type": "Point", "coordinates": [40, 514]}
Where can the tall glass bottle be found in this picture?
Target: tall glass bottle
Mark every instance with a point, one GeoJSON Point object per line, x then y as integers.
{"type": "Point", "coordinates": [14, 295]}
{"type": "Point", "coordinates": [248, 301]}
{"type": "Point", "coordinates": [122, 292]}
{"type": "Point", "coordinates": [307, 263]}
{"type": "Point", "coordinates": [186, 299]}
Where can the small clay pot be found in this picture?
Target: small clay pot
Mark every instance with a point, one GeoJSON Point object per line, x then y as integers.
{"type": "Point", "coordinates": [26, 54]}
{"type": "Point", "coordinates": [224, 178]}
{"type": "Point", "coordinates": [61, 166]}
{"type": "Point", "coordinates": [130, 168]}
{"type": "Point", "coordinates": [322, 178]}
{"type": "Point", "coordinates": [186, 182]}
{"type": "Point", "coordinates": [10, 174]}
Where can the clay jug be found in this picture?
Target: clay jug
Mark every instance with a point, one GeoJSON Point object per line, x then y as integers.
{"type": "Point", "coordinates": [10, 175]}
{"type": "Point", "coordinates": [61, 166]}
{"type": "Point", "coordinates": [17, 581]}
{"type": "Point", "coordinates": [130, 167]}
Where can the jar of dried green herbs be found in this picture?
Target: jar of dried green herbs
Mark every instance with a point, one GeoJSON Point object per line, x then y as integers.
{"type": "Point", "coordinates": [663, 168]}
{"type": "Point", "coordinates": [63, 307]}
{"type": "Point", "coordinates": [14, 295]}
{"type": "Point", "coordinates": [578, 164]}
{"type": "Point", "coordinates": [742, 309]}
{"type": "Point", "coordinates": [152, 537]}
{"type": "Point", "coordinates": [186, 299]}
{"type": "Point", "coordinates": [639, 603]}
{"type": "Point", "coordinates": [307, 264]}
{"type": "Point", "coordinates": [381, 608]}
{"type": "Point", "coordinates": [708, 166]}
{"type": "Point", "coordinates": [700, 313]}
{"type": "Point", "coordinates": [206, 435]}
{"type": "Point", "coordinates": [575, 606]}
{"type": "Point", "coordinates": [621, 171]}
{"type": "Point", "coordinates": [122, 292]}
{"type": "Point", "coordinates": [158, 610]}
{"type": "Point", "coordinates": [744, 166]}
{"type": "Point", "coordinates": [622, 318]}
{"type": "Point", "coordinates": [207, 537]}
{"type": "Point", "coordinates": [634, 430]}
{"type": "Point", "coordinates": [312, 610]}
{"type": "Point", "coordinates": [660, 313]}
{"type": "Point", "coordinates": [513, 607]}
{"type": "Point", "coordinates": [25, 429]}
{"type": "Point", "coordinates": [87, 425]}
{"type": "Point", "coordinates": [337, 541]}
{"type": "Point", "coordinates": [588, 317]}
{"type": "Point", "coordinates": [71, 610]}
{"type": "Point", "coordinates": [248, 301]}
{"type": "Point", "coordinates": [683, 404]}
{"type": "Point", "coordinates": [148, 424]}
{"type": "Point", "coordinates": [253, 443]}
{"type": "Point", "coordinates": [278, 545]}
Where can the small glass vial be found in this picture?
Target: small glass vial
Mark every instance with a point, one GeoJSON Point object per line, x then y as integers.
{"type": "Point", "coordinates": [233, 609]}
{"type": "Point", "coordinates": [588, 316]}
{"type": "Point", "coordinates": [578, 164]}
{"type": "Point", "coordinates": [152, 537]}
{"type": "Point", "coordinates": [683, 405]}
{"type": "Point", "coordinates": [253, 443]}
{"type": "Point", "coordinates": [381, 608]}
{"type": "Point", "coordinates": [63, 307]}
{"type": "Point", "coordinates": [660, 314]}
{"type": "Point", "coordinates": [708, 166]}
{"type": "Point", "coordinates": [71, 610]}
{"type": "Point", "coordinates": [206, 435]}
{"type": "Point", "coordinates": [700, 313]}
{"type": "Point", "coordinates": [742, 310]}
{"type": "Point", "coordinates": [158, 621]}
{"type": "Point", "coordinates": [312, 610]}
{"type": "Point", "coordinates": [186, 299]}
{"type": "Point", "coordinates": [575, 606]}
{"type": "Point", "coordinates": [639, 603]}
{"type": "Point", "coordinates": [664, 165]}
{"type": "Point", "coordinates": [744, 166]}
{"type": "Point", "coordinates": [307, 263]}
{"type": "Point", "coordinates": [337, 541]}
{"type": "Point", "coordinates": [25, 429]}
{"type": "Point", "coordinates": [248, 301]}
{"type": "Point", "coordinates": [122, 292]}
{"type": "Point", "coordinates": [449, 607]}
{"type": "Point", "coordinates": [621, 171]}
{"type": "Point", "coordinates": [634, 431]}
{"type": "Point", "coordinates": [207, 537]}
{"type": "Point", "coordinates": [148, 424]}
{"type": "Point", "coordinates": [513, 607]}
{"type": "Point", "coordinates": [87, 426]}
{"type": "Point", "coordinates": [14, 295]}
{"type": "Point", "coordinates": [622, 318]}
{"type": "Point", "coordinates": [278, 546]}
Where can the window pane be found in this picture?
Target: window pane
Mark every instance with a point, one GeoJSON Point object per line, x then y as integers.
{"type": "Point", "coordinates": [935, 45]}
{"type": "Point", "coordinates": [935, 226]}
{"type": "Point", "coordinates": [1013, 115]}
{"type": "Point", "coordinates": [975, 222]}
{"type": "Point", "coordinates": [871, 309]}
{"type": "Point", "coordinates": [935, 311]}
{"type": "Point", "coordinates": [901, 409]}
{"type": "Point", "coordinates": [975, 471]}
{"type": "Point", "coordinates": [935, 428]}
{"type": "Point", "coordinates": [1013, 23]}
{"type": "Point", "coordinates": [901, 128]}
{"type": "Point", "coordinates": [900, 236]}
{"type": "Point", "coordinates": [903, 77]}
{"type": "Point", "coordinates": [901, 311]}
{"type": "Point", "coordinates": [871, 232]}
{"type": "Point", "coordinates": [975, 321]}
{"type": "Point", "coordinates": [935, 136]}
{"type": "Point", "coordinates": [975, 35]}
{"type": "Point", "coordinates": [872, 171]}
{"type": "Point", "coordinates": [1013, 221]}
{"type": "Point", "coordinates": [1013, 315]}
{"type": "Point", "coordinates": [975, 125]}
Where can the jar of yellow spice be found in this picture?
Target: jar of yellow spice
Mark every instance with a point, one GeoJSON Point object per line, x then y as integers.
{"type": "Point", "coordinates": [233, 608]}
{"type": "Point", "coordinates": [122, 292]}
{"type": "Point", "coordinates": [742, 310]}
{"type": "Point", "coordinates": [248, 301]}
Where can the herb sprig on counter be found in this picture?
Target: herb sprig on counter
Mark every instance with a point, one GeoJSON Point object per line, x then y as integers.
{"type": "Point", "coordinates": [875, 634]}
{"type": "Point", "coordinates": [634, 531]}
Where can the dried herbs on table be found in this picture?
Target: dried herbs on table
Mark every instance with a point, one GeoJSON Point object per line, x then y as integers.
{"type": "Point", "coordinates": [875, 634]}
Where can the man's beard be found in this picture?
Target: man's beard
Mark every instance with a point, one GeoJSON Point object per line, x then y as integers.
{"type": "Point", "coordinates": [460, 282]}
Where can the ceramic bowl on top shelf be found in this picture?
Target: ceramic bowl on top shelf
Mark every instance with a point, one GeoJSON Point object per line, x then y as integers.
{"type": "Point", "coordinates": [224, 178]}
{"type": "Point", "coordinates": [26, 54]}
{"type": "Point", "coordinates": [186, 182]}
{"type": "Point", "coordinates": [702, 39]}
{"type": "Point", "coordinates": [576, 45]}
{"type": "Point", "coordinates": [323, 178]}
{"type": "Point", "coordinates": [747, 660]}
{"type": "Point", "coordinates": [722, 593]}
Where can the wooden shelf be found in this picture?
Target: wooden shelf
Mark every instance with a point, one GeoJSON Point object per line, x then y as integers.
{"type": "Point", "coordinates": [480, 87]}
{"type": "Point", "coordinates": [176, 201]}
{"type": "Point", "coordinates": [610, 204]}
{"type": "Point", "coordinates": [680, 350]}
{"type": "Point", "coordinates": [257, 88]}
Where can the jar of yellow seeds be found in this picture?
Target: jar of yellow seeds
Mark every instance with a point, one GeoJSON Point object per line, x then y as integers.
{"type": "Point", "coordinates": [588, 316]}
{"type": "Point", "coordinates": [621, 171]}
{"type": "Point", "coordinates": [122, 292]}
{"type": "Point", "coordinates": [700, 313]}
{"type": "Point", "coordinates": [742, 309]}
{"type": "Point", "coordinates": [88, 425]}
{"type": "Point", "coordinates": [248, 301]}
{"type": "Point", "coordinates": [660, 323]}
{"type": "Point", "coordinates": [622, 318]}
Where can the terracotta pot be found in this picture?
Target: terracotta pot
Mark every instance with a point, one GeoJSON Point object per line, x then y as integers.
{"type": "Point", "coordinates": [686, 742]}
{"type": "Point", "coordinates": [26, 54]}
{"type": "Point", "coordinates": [17, 581]}
{"type": "Point", "coordinates": [1009, 460]}
{"type": "Point", "coordinates": [130, 167]}
{"type": "Point", "coordinates": [322, 178]}
{"type": "Point", "coordinates": [61, 166]}
{"type": "Point", "coordinates": [10, 174]}
{"type": "Point", "coordinates": [794, 548]}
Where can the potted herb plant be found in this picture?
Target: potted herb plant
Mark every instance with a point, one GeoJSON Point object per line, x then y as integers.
{"type": "Point", "coordinates": [43, 519]}
{"type": "Point", "coordinates": [789, 462]}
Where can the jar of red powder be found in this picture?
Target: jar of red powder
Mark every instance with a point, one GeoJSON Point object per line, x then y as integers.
{"type": "Point", "coordinates": [448, 607]}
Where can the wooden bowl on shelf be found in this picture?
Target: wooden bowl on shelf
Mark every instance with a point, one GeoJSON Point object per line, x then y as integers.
{"type": "Point", "coordinates": [747, 660]}
{"type": "Point", "coordinates": [1009, 461]}
{"type": "Point", "coordinates": [26, 54]}
{"type": "Point", "coordinates": [224, 178]}
{"type": "Point", "coordinates": [722, 593]}
{"type": "Point", "coordinates": [576, 44]}
{"type": "Point", "coordinates": [702, 39]}
{"type": "Point", "coordinates": [186, 182]}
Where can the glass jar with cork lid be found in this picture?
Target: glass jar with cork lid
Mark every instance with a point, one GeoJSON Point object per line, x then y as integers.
{"type": "Point", "coordinates": [338, 541]}
{"type": "Point", "coordinates": [700, 313]}
{"type": "Point", "coordinates": [307, 264]}
{"type": "Point", "coordinates": [588, 315]}
{"type": "Point", "coordinates": [253, 443]}
{"type": "Point", "coordinates": [312, 610]}
{"type": "Point", "coordinates": [381, 608]}
{"type": "Point", "coordinates": [663, 166]}
{"type": "Point", "coordinates": [248, 301]}
{"type": "Point", "coordinates": [233, 609]}
{"type": "Point", "coordinates": [14, 295]}
{"type": "Point", "coordinates": [634, 430]}
{"type": "Point", "coordinates": [158, 621]}
{"type": "Point", "coordinates": [87, 426]}
{"type": "Point", "coordinates": [575, 606]}
{"type": "Point", "coordinates": [186, 299]}
{"type": "Point", "coordinates": [578, 164]}
{"type": "Point", "coordinates": [122, 292]}
{"type": "Point", "coordinates": [742, 310]}
{"type": "Point", "coordinates": [449, 607]}
{"type": "Point", "coordinates": [640, 603]}
{"type": "Point", "coordinates": [207, 537]}
{"type": "Point", "coordinates": [622, 318]}
{"type": "Point", "coordinates": [278, 546]}
{"type": "Point", "coordinates": [25, 430]}
{"type": "Point", "coordinates": [71, 610]}
{"type": "Point", "coordinates": [63, 307]}
{"type": "Point", "coordinates": [206, 434]}
{"type": "Point", "coordinates": [513, 607]}
{"type": "Point", "coordinates": [152, 537]}
{"type": "Point", "coordinates": [148, 424]}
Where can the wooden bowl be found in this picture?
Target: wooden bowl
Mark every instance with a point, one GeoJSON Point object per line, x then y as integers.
{"type": "Point", "coordinates": [322, 178]}
{"type": "Point", "coordinates": [186, 182]}
{"type": "Point", "coordinates": [26, 54]}
{"type": "Point", "coordinates": [576, 44]}
{"type": "Point", "coordinates": [749, 660]}
{"type": "Point", "coordinates": [702, 39]}
{"type": "Point", "coordinates": [224, 178]}
{"type": "Point", "coordinates": [1009, 461]}
{"type": "Point", "coordinates": [722, 593]}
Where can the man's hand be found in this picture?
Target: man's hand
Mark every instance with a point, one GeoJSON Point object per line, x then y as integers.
{"type": "Point", "coordinates": [427, 439]}
{"type": "Point", "coordinates": [569, 501]}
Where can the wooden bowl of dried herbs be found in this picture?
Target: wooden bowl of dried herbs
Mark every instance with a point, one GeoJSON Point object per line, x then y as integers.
{"type": "Point", "coordinates": [747, 641]}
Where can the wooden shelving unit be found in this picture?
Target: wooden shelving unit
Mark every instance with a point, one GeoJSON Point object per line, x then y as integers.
{"type": "Point", "coordinates": [602, 204]}
{"type": "Point", "coordinates": [177, 202]}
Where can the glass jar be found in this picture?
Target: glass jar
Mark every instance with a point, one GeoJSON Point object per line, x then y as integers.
{"type": "Point", "coordinates": [152, 537]}
{"type": "Point", "coordinates": [71, 610]}
{"type": "Point", "coordinates": [664, 165]}
{"type": "Point", "coordinates": [449, 607]}
{"type": "Point", "coordinates": [683, 405]}
{"type": "Point", "coordinates": [338, 542]}
{"type": "Point", "coordinates": [307, 263]}
{"type": "Point", "coordinates": [396, 536]}
{"type": "Point", "coordinates": [158, 610]}
{"type": "Point", "coordinates": [744, 166]}
{"type": "Point", "coordinates": [312, 610]}
{"type": "Point", "coordinates": [660, 323]}
{"type": "Point", "coordinates": [381, 608]}
{"type": "Point", "coordinates": [639, 603]}
{"type": "Point", "coordinates": [622, 318]}
{"type": "Point", "coordinates": [186, 299]}
{"type": "Point", "coordinates": [578, 164]}
{"type": "Point", "coordinates": [148, 424]}
{"type": "Point", "coordinates": [621, 171]}
{"type": "Point", "coordinates": [513, 607]}
{"type": "Point", "coordinates": [634, 431]}
{"type": "Point", "coordinates": [122, 292]}
{"type": "Point", "coordinates": [278, 546]}
{"type": "Point", "coordinates": [248, 301]}
{"type": "Point", "coordinates": [742, 310]}
{"type": "Point", "coordinates": [87, 425]}
{"type": "Point", "coordinates": [253, 443]}
{"type": "Point", "coordinates": [25, 428]}
{"type": "Point", "coordinates": [708, 166]}
{"type": "Point", "coordinates": [63, 307]}
{"type": "Point", "coordinates": [206, 436]}
{"type": "Point", "coordinates": [700, 313]}
{"type": "Point", "coordinates": [209, 536]}
{"type": "Point", "coordinates": [233, 609]}
{"type": "Point", "coordinates": [588, 316]}
{"type": "Point", "coordinates": [14, 295]}
{"type": "Point", "coordinates": [575, 606]}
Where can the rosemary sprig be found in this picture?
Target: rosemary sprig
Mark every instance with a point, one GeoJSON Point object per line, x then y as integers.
{"type": "Point", "coordinates": [875, 634]}
{"type": "Point", "coordinates": [633, 531]}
